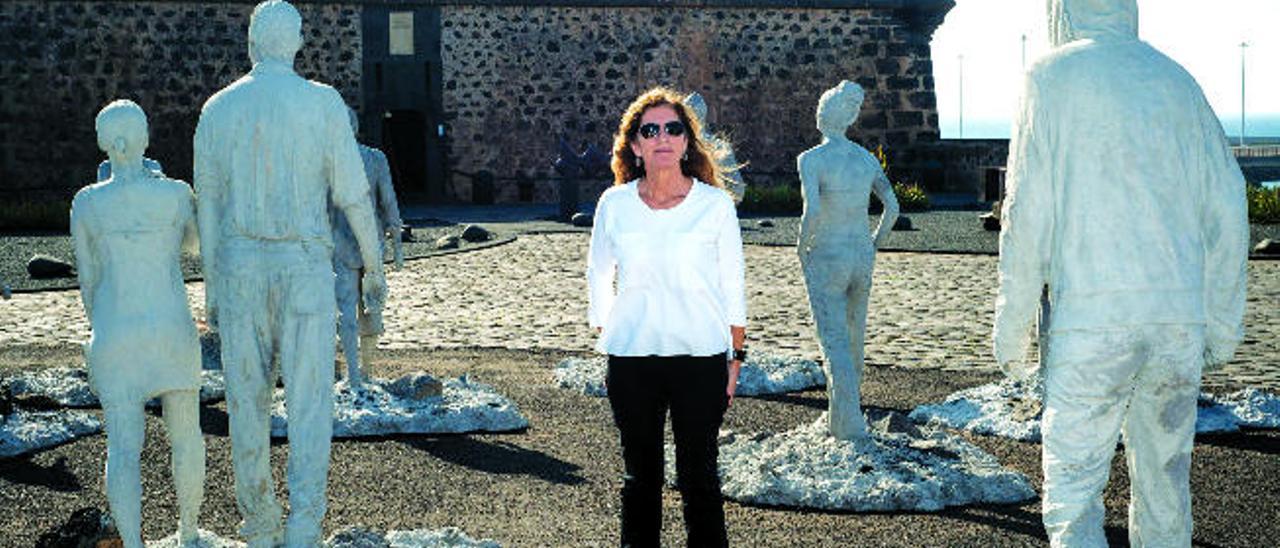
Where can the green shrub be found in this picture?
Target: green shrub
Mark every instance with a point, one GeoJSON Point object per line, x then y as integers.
{"type": "Point", "coordinates": [911, 197]}
{"type": "Point", "coordinates": [1264, 205]}
{"type": "Point", "coordinates": [783, 199]}
{"type": "Point", "coordinates": [53, 214]}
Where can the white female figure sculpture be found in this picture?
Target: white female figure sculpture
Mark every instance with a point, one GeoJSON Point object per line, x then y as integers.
{"type": "Point", "coordinates": [723, 150]}
{"type": "Point", "coordinates": [837, 250]}
{"type": "Point", "coordinates": [129, 234]}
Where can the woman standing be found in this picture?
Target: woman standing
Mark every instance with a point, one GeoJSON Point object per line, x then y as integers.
{"type": "Point", "coordinates": [674, 330]}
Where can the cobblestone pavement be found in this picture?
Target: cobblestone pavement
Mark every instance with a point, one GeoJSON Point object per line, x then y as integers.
{"type": "Point", "coordinates": [927, 310]}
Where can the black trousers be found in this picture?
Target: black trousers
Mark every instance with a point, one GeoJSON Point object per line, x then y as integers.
{"type": "Point", "coordinates": [641, 390]}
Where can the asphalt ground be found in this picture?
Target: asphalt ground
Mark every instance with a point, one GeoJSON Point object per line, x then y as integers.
{"type": "Point", "coordinates": [556, 483]}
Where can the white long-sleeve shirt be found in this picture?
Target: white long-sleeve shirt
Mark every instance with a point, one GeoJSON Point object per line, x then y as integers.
{"type": "Point", "coordinates": [679, 273]}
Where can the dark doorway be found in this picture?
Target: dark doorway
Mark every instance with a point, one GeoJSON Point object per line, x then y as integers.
{"type": "Point", "coordinates": [403, 96]}
{"type": "Point", "coordinates": [404, 141]}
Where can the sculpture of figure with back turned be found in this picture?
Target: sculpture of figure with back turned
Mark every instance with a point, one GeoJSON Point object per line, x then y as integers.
{"type": "Point", "coordinates": [272, 151]}
{"type": "Point", "coordinates": [129, 233]}
{"type": "Point", "coordinates": [1125, 200]}
{"type": "Point", "coordinates": [724, 155]}
{"type": "Point", "coordinates": [358, 326]}
{"type": "Point", "coordinates": [837, 250]}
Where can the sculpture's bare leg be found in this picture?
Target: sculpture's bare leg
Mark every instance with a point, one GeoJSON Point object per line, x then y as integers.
{"type": "Point", "coordinates": [857, 295]}
{"type": "Point", "coordinates": [182, 422]}
{"type": "Point", "coordinates": [125, 430]}
{"type": "Point", "coordinates": [830, 305]}
{"type": "Point", "coordinates": [348, 296]}
{"type": "Point", "coordinates": [306, 342]}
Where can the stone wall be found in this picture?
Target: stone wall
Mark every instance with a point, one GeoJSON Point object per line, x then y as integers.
{"type": "Point", "coordinates": [63, 61]}
{"type": "Point", "coordinates": [517, 79]}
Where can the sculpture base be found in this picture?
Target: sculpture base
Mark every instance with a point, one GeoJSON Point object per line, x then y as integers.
{"type": "Point", "coordinates": [900, 467]}
{"type": "Point", "coordinates": [206, 539]}
{"type": "Point", "coordinates": [762, 374]}
{"type": "Point", "coordinates": [24, 432]}
{"type": "Point", "coordinates": [1012, 409]}
{"type": "Point", "coordinates": [375, 410]}
{"type": "Point", "coordinates": [69, 387]}
{"type": "Point", "coordinates": [352, 537]}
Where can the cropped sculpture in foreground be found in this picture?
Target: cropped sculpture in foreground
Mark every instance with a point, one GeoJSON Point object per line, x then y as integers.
{"type": "Point", "coordinates": [129, 234]}
{"type": "Point", "coordinates": [272, 151]}
{"type": "Point", "coordinates": [721, 147]}
{"type": "Point", "coordinates": [1124, 199]}
{"type": "Point", "coordinates": [358, 326]}
{"type": "Point", "coordinates": [837, 249]}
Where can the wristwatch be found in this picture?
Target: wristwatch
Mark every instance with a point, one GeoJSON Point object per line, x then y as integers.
{"type": "Point", "coordinates": [740, 354]}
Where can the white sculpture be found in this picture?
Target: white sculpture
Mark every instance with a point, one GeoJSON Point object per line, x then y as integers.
{"type": "Point", "coordinates": [129, 234]}
{"type": "Point", "coordinates": [1124, 199]}
{"type": "Point", "coordinates": [272, 150]}
{"type": "Point", "coordinates": [358, 327]}
{"type": "Point", "coordinates": [722, 150]}
{"type": "Point", "coordinates": [837, 250]}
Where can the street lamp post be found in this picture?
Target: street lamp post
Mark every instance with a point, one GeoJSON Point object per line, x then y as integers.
{"type": "Point", "coordinates": [1243, 45]}
{"type": "Point", "coordinates": [1024, 52]}
{"type": "Point", "coordinates": [960, 58]}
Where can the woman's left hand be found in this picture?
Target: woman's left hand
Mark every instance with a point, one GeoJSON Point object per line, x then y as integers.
{"type": "Point", "coordinates": [734, 366]}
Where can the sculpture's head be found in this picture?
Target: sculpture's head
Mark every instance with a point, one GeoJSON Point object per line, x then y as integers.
{"type": "Point", "coordinates": [1071, 20]}
{"type": "Point", "coordinates": [275, 32]}
{"type": "Point", "coordinates": [699, 106]}
{"type": "Point", "coordinates": [659, 130]}
{"type": "Point", "coordinates": [122, 130]}
{"type": "Point", "coordinates": [838, 107]}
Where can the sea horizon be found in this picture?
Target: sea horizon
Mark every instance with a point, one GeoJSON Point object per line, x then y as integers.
{"type": "Point", "coordinates": [1260, 128]}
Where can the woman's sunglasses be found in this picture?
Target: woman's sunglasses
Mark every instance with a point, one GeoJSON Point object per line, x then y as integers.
{"type": "Point", "coordinates": [674, 128]}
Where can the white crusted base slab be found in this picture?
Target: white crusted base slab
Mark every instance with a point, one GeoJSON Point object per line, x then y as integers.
{"type": "Point", "coordinates": [69, 387]}
{"type": "Point", "coordinates": [352, 537]}
{"type": "Point", "coordinates": [901, 467]}
{"type": "Point", "coordinates": [1011, 409]}
{"type": "Point", "coordinates": [762, 374]}
{"type": "Point", "coordinates": [27, 431]}
{"type": "Point", "coordinates": [464, 406]}
{"type": "Point", "coordinates": [206, 539]}
{"type": "Point", "coordinates": [447, 537]}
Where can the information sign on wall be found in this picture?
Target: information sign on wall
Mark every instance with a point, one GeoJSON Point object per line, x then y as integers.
{"type": "Point", "coordinates": [401, 29]}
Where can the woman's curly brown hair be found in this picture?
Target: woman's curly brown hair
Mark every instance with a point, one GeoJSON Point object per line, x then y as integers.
{"type": "Point", "coordinates": [700, 161]}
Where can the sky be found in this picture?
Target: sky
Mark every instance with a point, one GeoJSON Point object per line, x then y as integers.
{"type": "Point", "coordinates": [1203, 36]}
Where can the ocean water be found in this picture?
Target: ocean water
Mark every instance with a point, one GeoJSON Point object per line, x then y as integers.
{"type": "Point", "coordinates": [1261, 128]}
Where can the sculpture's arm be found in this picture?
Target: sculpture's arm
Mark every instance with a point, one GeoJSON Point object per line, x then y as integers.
{"type": "Point", "coordinates": [349, 191]}
{"type": "Point", "coordinates": [190, 231]}
{"type": "Point", "coordinates": [601, 263]}
{"type": "Point", "coordinates": [1226, 244]}
{"type": "Point", "coordinates": [87, 267]}
{"type": "Point", "coordinates": [209, 183]}
{"type": "Point", "coordinates": [883, 189]}
{"type": "Point", "coordinates": [809, 190]}
{"type": "Point", "coordinates": [1025, 237]}
{"type": "Point", "coordinates": [388, 206]}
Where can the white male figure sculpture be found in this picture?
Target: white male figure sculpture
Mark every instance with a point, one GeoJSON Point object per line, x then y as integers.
{"type": "Point", "coordinates": [358, 329]}
{"type": "Point", "coordinates": [724, 151]}
{"type": "Point", "coordinates": [129, 234]}
{"type": "Point", "coordinates": [272, 150]}
{"type": "Point", "coordinates": [837, 250]}
{"type": "Point", "coordinates": [1124, 198]}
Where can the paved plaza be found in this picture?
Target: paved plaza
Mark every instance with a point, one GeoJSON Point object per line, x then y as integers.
{"type": "Point", "coordinates": [929, 311]}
